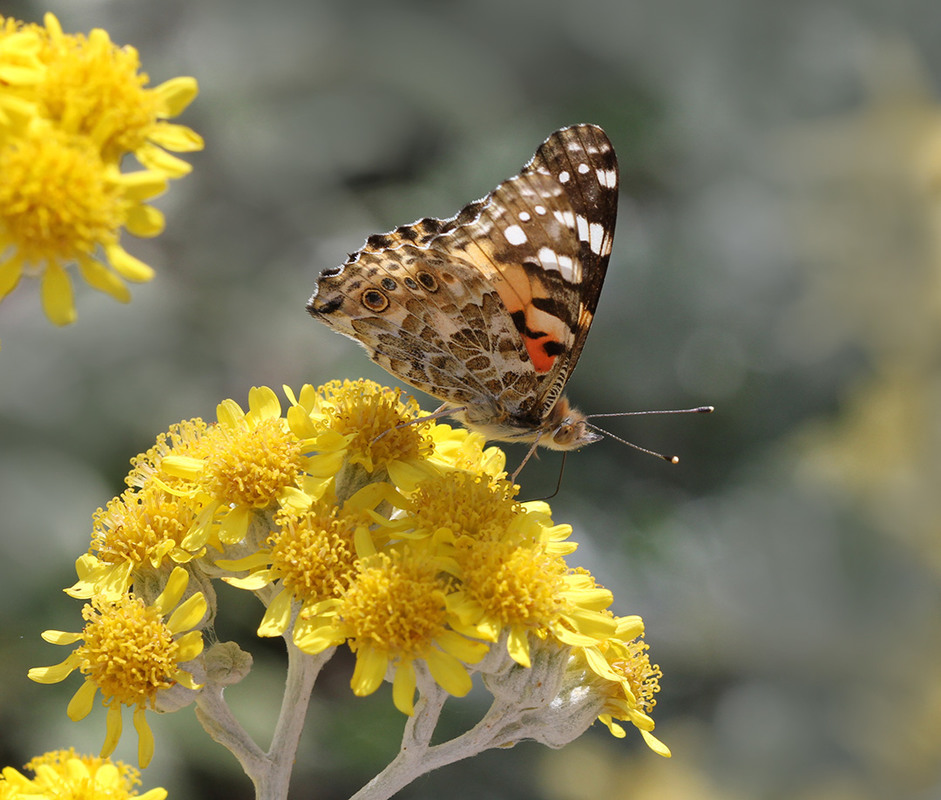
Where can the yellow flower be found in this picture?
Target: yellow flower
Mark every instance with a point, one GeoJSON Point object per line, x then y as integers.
{"type": "Point", "coordinates": [312, 557]}
{"type": "Point", "coordinates": [394, 613]}
{"type": "Point", "coordinates": [627, 680]}
{"type": "Point", "coordinates": [130, 654]}
{"type": "Point", "coordinates": [64, 775]}
{"type": "Point", "coordinates": [184, 438]}
{"type": "Point", "coordinates": [95, 89]}
{"type": "Point", "coordinates": [20, 71]}
{"type": "Point", "coordinates": [250, 462]}
{"type": "Point", "coordinates": [60, 203]}
{"type": "Point", "coordinates": [375, 424]}
{"type": "Point", "coordinates": [139, 529]}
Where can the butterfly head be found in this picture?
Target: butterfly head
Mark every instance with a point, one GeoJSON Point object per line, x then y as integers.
{"type": "Point", "coordinates": [567, 428]}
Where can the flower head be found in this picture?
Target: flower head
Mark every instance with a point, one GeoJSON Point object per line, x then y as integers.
{"type": "Point", "coordinates": [250, 462]}
{"type": "Point", "coordinates": [130, 654]}
{"type": "Point", "coordinates": [71, 108]}
{"type": "Point", "coordinates": [65, 775]}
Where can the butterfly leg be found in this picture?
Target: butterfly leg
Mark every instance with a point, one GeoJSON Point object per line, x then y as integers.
{"type": "Point", "coordinates": [529, 455]}
{"type": "Point", "coordinates": [442, 411]}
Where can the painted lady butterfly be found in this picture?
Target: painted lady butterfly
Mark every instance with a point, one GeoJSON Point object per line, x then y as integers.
{"type": "Point", "coordinates": [489, 310]}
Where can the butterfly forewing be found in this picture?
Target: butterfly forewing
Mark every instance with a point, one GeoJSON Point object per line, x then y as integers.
{"type": "Point", "coordinates": [489, 309]}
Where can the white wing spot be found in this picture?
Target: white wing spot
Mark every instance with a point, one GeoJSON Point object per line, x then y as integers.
{"type": "Point", "coordinates": [515, 235]}
{"type": "Point", "coordinates": [540, 210]}
{"type": "Point", "coordinates": [524, 216]}
{"type": "Point", "coordinates": [584, 232]}
{"type": "Point", "coordinates": [564, 176]}
{"type": "Point", "coordinates": [596, 237]}
{"type": "Point", "coordinates": [607, 178]}
{"type": "Point", "coordinates": [550, 259]}
{"type": "Point", "coordinates": [567, 218]}
{"type": "Point", "coordinates": [583, 168]}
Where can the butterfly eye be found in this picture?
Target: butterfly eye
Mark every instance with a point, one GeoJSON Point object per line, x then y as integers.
{"type": "Point", "coordinates": [375, 300]}
{"type": "Point", "coordinates": [428, 280]}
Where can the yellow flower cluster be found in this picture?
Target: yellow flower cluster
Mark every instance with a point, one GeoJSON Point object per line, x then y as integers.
{"type": "Point", "coordinates": [356, 522]}
{"type": "Point", "coordinates": [71, 108]}
{"type": "Point", "coordinates": [65, 775]}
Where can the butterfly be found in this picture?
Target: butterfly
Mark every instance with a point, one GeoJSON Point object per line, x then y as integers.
{"type": "Point", "coordinates": [488, 311]}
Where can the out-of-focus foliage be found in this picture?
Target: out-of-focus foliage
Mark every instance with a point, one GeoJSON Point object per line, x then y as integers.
{"type": "Point", "coordinates": [778, 255]}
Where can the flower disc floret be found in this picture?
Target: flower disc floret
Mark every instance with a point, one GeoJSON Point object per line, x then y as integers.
{"type": "Point", "coordinates": [465, 504]}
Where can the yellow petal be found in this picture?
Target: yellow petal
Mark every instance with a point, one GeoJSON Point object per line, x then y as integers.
{"type": "Point", "coordinates": [113, 729]}
{"type": "Point", "coordinates": [263, 403]}
{"type": "Point", "coordinates": [145, 738]}
{"type": "Point", "coordinates": [82, 701]}
{"type": "Point", "coordinates": [159, 160]}
{"type": "Point", "coordinates": [103, 279]}
{"type": "Point", "coordinates": [53, 674]}
{"type": "Point", "coordinates": [277, 615]}
{"type": "Point", "coordinates": [403, 688]}
{"type": "Point", "coordinates": [177, 138]}
{"type": "Point", "coordinates": [235, 525]}
{"type": "Point", "coordinates": [56, 292]}
{"type": "Point", "coordinates": [188, 614]}
{"type": "Point", "coordinates": [143, 184]}
{"type": "Point", "coordinates": [448, 672]}
{"type": "Point", "coordinates": [189, 646]}
{"type": "Point", "coordinates": [466, 650]}
{"type": "Point", "coordinates": [173, 591]}
{"type": "Point", "coordinates": [128, 267]}
{"type": "Point", "coordinates": [145, 221]}
{"type": "Point", "coordinates": [369, 672]}
{"type": "Point", "coordinates": [229, 413]}
{"type": "Point", "coordinates": [517, 645]}
{"type": "Point", "coordinates": [61, 637]}
{"type": "Point", "coordinates": [11, 271]}
{"type": "Point", "coordinates": [176, 94]}
{"type": "Point", "coordinates": [656, 745]}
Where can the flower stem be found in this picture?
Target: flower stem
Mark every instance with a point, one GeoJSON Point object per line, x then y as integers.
{"type": "Point", "coordinates": [269, 772]}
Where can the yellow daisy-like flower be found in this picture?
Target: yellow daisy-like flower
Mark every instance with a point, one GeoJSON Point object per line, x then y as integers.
{"type": "Point", "coordinates": [375, 423]}
{"type": "Point", "coordinates": [139, 529]}
{"type": "Point", "coordinates": [61, 203]}
{"type": "Point", "coordinates": [65, 775]}
{"type": "Point", "coordinates": [628, 681]}
{"type": "Point", "coordinates": [94, 88]}
{"type": "Point", "coordinates": [394, 613]}
{"type": "Point", "coordinates": [185, 438]}
{"type": "Point", "coordinates": [312, 557]}
{"type": "Point", "coordinates": [129, 653]}
{"type": "Point", "coordinates": [250, 462]}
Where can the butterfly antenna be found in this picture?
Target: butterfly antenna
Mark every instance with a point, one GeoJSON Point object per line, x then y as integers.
{"type": "Point", "coordinates": [668, 459]}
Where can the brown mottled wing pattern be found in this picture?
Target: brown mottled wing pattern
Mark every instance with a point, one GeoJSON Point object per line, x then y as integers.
{"type": "Point", "coordinates": [489, 309]}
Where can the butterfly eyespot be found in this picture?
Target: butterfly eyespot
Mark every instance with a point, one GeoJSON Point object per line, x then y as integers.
{"type": "Point", "coordinates": [410, 283]}
{"type": "Point", "coordinates": [388, 284]}
{"type": "Point", "coordinates": [375, 300]}
{"type": "Point", "coordinates": [428, 280]}
{"type": "Point", "coordinates": [329, 273]}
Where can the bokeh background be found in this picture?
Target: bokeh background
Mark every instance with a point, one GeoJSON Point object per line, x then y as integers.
{"type": "Point", "coordinates": [778, 255]}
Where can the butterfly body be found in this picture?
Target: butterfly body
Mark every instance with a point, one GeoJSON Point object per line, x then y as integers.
{"type": "Point", "coordinates": [488, 310]}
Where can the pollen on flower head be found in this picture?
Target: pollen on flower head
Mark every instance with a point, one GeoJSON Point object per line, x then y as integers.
{"type": "Point", "coordinates": [514, 585]}
{"type": "Point", "coordinates": [379, 420]}
{"type": "Point", "coordinates": [58, 199]}
{"type": "Point", "coordinates": [143, 527]}
{"type": "Point", "coordinates": [128, 651]}
{"type": "Point", "coordinates": [396, 604]}
{"type": "Point", "coordinates": [250, 465]}
{"type": "Point", "coordinates": [312, 552]}
{"type": "Point", "coordinates": [465, 504]}
{"type": "Point", "coordinates": [66, 774]}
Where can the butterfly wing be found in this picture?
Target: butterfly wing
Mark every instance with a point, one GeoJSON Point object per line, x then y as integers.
{"type": "Point", "coordinates": [489, 309]}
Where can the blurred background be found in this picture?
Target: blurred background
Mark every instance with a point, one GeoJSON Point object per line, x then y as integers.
{"type": "Point", "coordinates": [778, 255]}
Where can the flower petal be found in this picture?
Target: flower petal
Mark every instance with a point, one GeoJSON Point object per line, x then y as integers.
{"type": "Point", "coordinates": [145, 738]}
{"type": "Point", "coordinates": [56, 293]}
{"type": "Point", "coordinates": [403, 688]}
{"type": "Point", "coordinates": [82, 701]}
